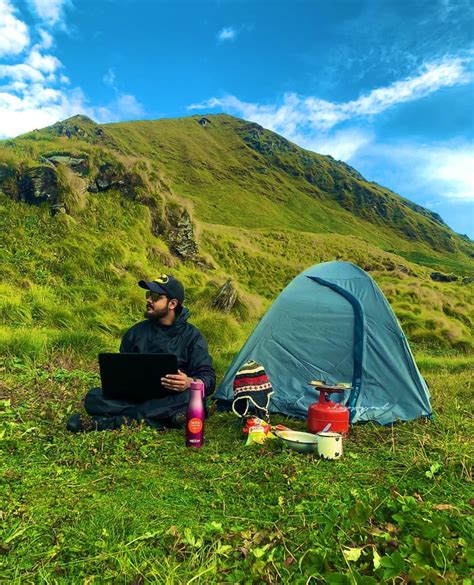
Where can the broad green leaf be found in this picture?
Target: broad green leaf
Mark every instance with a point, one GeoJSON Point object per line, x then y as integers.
{"type": "Point", "coordinates": [417, 573]}
{"type": "Point", "coordinates": [386, 562]}
{"type": "Point", "coordinates": [398, 561]}
{"type": "Point", "coordinates": [352, 554]}
{"type": "Point", "coordinates": [363, 579]}
{"type": "Point", "coordinates": [393, 565]}
{"type": "Point", "coordinates": [376, 558]}
{"type": "Point", "coordinates": [433, 470]}
{"type": "Point", "coordinates": [337, 579]}
{"type": "Point", "coordinates": [259, 551]}
{"type": "Point", "coordinates": [223, 549]}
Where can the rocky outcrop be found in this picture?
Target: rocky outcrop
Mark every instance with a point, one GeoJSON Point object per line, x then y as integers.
{"type": "Point", "coordinates": [180, 236]}
{"type": "Point", "coordinates": [426, 212]}
{"type": "Point", "coordinates": [34, 186]}
{"type": "Point", "coordinates": [264, 141]}
{"type": "Point", "coordinates": [347, 168]}
{"type": "Point", "coordinates": [80, 127]}
{"type": "Point", "coordinates": [225, 298]}
{"type": "Point", "coordinates": [79, 165]}
{"type": "Point", "coordinates": [39, 185]}
{"type": "Point", "coordinates": [9, 181]}
{"type": "Point", "coordinates": [173, 224]}
{"type": "Point", "coordinates": [440, 277]}
{"type": "Point", "coordinates": [114, 176]}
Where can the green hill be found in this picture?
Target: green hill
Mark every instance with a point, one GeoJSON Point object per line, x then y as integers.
{"type": "Point", "coordinates": [89, 209]}
{"type": "Point", "coordinates": [85, 212]}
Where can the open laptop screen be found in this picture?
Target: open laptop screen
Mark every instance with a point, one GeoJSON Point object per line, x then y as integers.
{"type": "Point", "coordinates": [135, 376]}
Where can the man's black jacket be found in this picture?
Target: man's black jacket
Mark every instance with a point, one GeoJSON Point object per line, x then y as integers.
{"type": "Point", "coordinates": [180, 338]}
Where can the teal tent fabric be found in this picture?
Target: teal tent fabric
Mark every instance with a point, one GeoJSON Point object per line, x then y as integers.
{"type": "Point", "coordinates": [333, 323]}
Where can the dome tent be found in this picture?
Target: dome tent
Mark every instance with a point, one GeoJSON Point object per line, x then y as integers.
{"type": "Point", "coordinates": [333, 323]}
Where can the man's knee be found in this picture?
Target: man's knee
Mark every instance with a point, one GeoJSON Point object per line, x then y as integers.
{"type": "Point", "coordinates": [94, 402]}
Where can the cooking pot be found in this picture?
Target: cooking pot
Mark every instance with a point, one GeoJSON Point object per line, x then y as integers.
{"type": "Point", "coordinates": [329, 445]}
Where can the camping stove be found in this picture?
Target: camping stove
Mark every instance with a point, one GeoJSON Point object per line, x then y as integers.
{"type": "Point", "coordinates": [328, 415]}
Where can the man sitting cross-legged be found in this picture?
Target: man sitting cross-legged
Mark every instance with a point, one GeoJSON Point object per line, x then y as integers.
{"type": "Point", "coordinates": [165, 330]}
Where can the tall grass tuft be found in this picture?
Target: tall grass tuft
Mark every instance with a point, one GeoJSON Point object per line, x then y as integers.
{"type": "Point", "coordinates": [23, 343]}
{"type": "Point", "coordinates": [81, 343]}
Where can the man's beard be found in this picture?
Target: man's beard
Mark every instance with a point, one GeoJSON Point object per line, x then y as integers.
{"type": "Point", "coordinates": [157, 314]}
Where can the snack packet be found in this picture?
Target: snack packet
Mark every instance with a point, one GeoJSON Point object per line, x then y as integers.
{"type": "Point", "coordinates": [256, 434]}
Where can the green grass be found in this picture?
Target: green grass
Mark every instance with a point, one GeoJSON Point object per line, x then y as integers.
{"type": "Point", "coordinates": [137, 506]}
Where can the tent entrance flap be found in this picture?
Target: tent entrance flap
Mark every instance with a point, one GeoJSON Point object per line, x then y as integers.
{"type": "Point", "coordinates": [358, 347]}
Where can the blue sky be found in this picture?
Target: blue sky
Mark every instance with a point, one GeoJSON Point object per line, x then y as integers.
{"type": "Point", "coordinates": [385, 85]}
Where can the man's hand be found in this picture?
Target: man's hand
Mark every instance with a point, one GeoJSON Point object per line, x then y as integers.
{"type": "Point", "coordinates": [177, 382]}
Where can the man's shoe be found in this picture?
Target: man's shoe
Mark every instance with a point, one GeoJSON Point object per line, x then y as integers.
{"type": "Point", "coordinates": [178, 419]}
{"type": "Point", "coordinates": [76, 423]}
{"type": "Point", "coordinates": [82, 423]}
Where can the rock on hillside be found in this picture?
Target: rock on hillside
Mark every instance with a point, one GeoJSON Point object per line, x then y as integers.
{"type": "Point", "coordinates": [78, 127]}
{"type": "Point", "coordinates": [35, 185]}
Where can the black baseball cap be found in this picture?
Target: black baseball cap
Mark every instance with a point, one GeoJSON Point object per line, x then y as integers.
{"type": "Point", "coordinates": [165, 285]}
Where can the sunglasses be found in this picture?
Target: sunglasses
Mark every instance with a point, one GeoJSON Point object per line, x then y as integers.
{"type": "Point", "coordinates": [154, 296]}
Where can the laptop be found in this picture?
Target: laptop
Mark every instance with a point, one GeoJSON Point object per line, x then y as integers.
{"type": "Point", "coordinates": [136, 376]}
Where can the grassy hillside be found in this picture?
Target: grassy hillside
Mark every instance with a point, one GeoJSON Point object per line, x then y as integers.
{"type": "Point", "coordinates": [70, 282]}
{"type": "Point", "coordinates": [236, 173]}
{"type": "Point", "coordinates": [85, 212]}
{"type": "Point", "coordinates": [88, 210]}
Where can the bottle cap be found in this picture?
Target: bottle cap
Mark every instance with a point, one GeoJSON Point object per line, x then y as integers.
{"type": "Point", "coordinates": [198, 385]}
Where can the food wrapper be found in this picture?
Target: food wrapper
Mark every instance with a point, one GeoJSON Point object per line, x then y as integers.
{"type": "Point", "coordinates": [258, 431]}
{"type": "Point", "coordinates": [256, 434]}
{"type": "Point", "coordinates": [254, 421]}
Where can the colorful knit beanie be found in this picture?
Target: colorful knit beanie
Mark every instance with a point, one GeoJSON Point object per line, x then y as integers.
{"type": "Point", "coordinates": [252, 390]}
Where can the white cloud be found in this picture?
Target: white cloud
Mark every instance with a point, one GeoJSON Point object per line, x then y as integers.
{"type": "Point", "coordinates": [34, 91]}
{"type": "Point", "coordinates": [123, 107]}
{"type": "Point", "coordinates": [31, 103]}
{"type": "Point", "coordinates": [227, 34]}
{"type": "Point", "coordinates": [129, 105]}
{"type": "Point", "coordinates": [32, 96]}
{"type": "Point", "coordinates": [50, 11]}
{"type": "Point", "coordinates": [452, 170]}
{"type": "Point", "coordinates": [22, 72]}
{"type": "Point", "coordinates": [434, 76]}
{"type": "Point", "coordinates": [14, 36]}
{"type": "Point", "coordinates": [342, 144]}
{"type": "Point", "coordinates": [313, 118]}
{"type": "Point", "coordinates": [38, 106]}
{"type": "Point", "coordinates": [109, 77]}
{"type": "Point", "coordinates": [47, 40]}
{"type": "Point", "coordinates": [441, 171]}
{"type": "Point", "coordinates": [439, 176]}
{"type": "Point", "coordinates": [43, 63]}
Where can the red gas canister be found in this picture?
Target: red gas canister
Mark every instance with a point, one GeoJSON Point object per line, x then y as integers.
{"type": "Point", "coordinates": [325, 412]}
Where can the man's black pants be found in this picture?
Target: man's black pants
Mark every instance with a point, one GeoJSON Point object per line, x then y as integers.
{"type": "Point", "coordinates": [155, 412]}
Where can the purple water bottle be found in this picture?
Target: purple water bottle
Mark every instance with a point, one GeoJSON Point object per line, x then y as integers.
{"type": "Point", "coordinates": [195, 415]}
